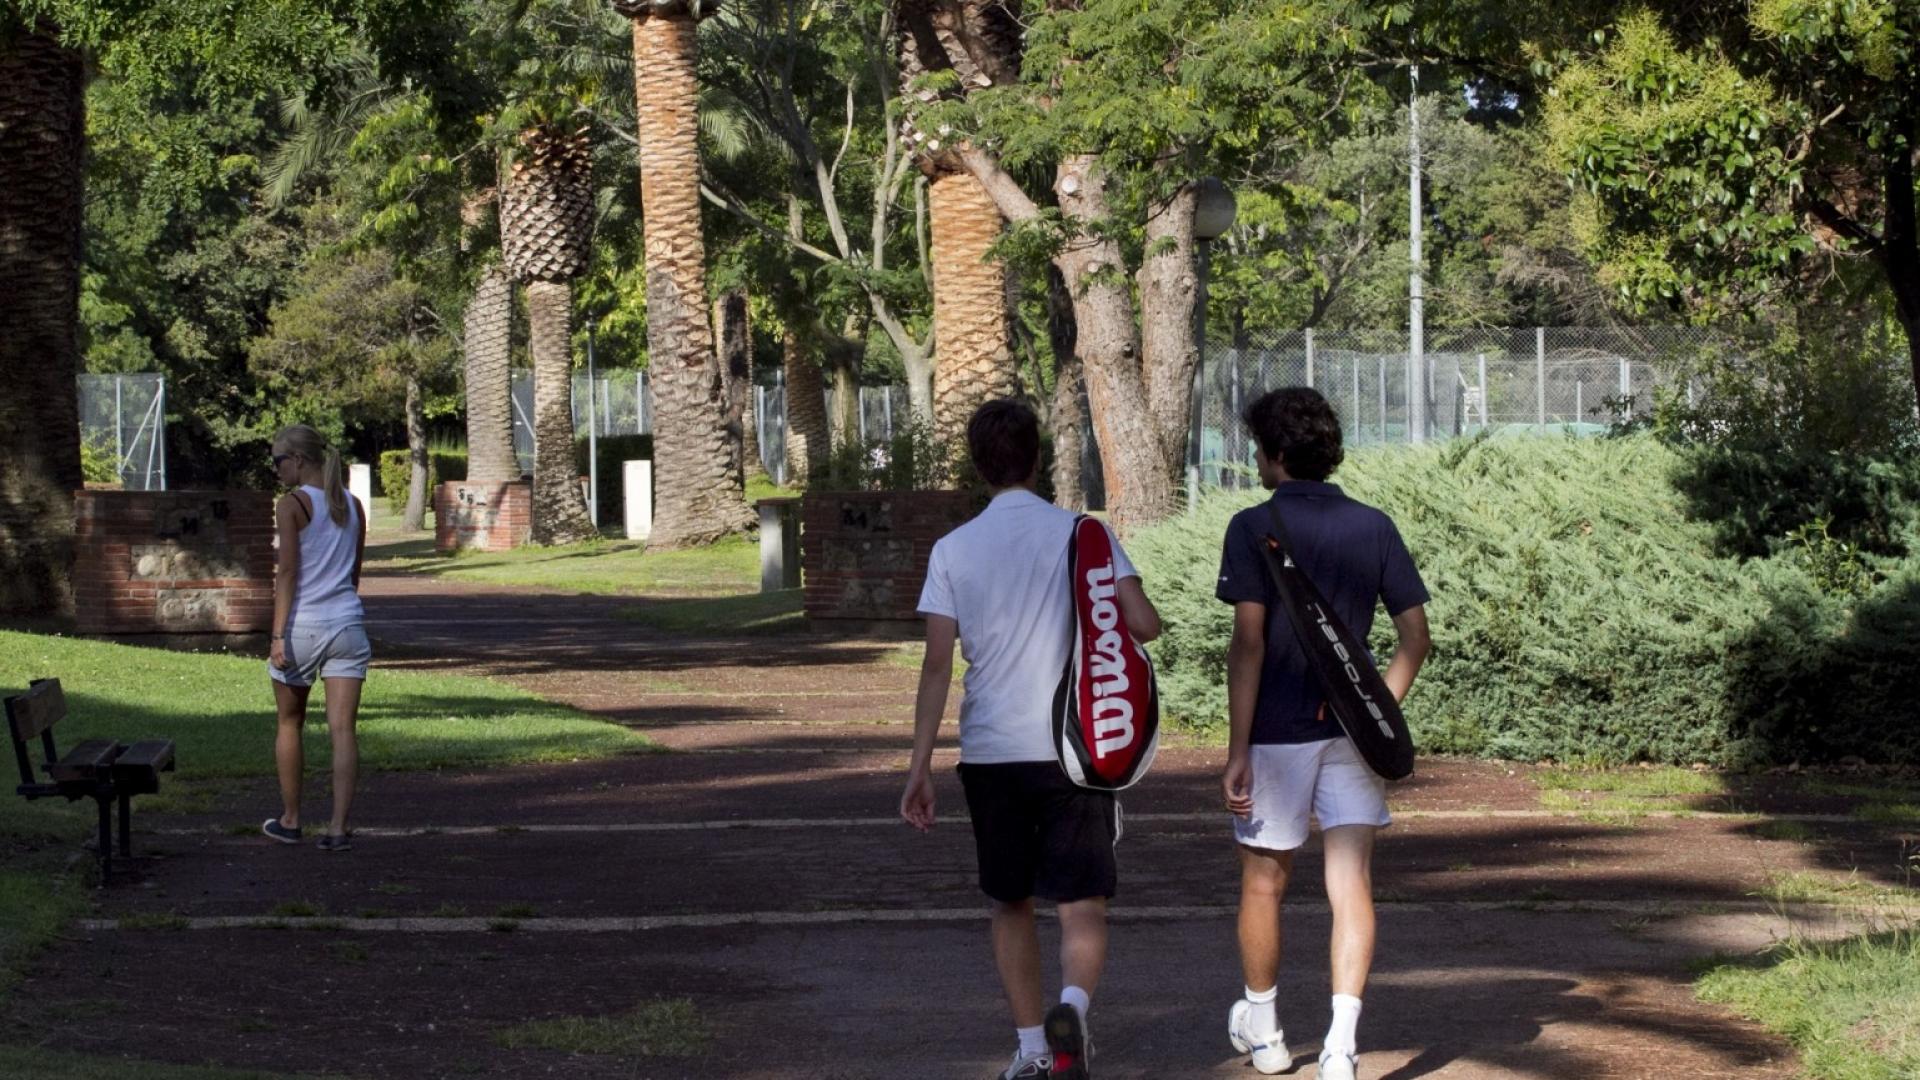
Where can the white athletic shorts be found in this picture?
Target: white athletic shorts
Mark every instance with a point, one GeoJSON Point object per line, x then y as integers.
{"type": "Point", "coordinates": [323, 651]}
{"type": "Point", "coordinates": [1291, 781]}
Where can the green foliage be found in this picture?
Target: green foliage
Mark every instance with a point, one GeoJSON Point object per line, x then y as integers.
{"type": "Point", "coordinates": [98, 464]}
{"type": "Point", "coordinates": [913, 460]}
{"type": "Point", "coordinates": [614, 449]}
{"type": "Point", "coordinates": [443, 464]}
{"type": "Point", "coordinates": [1581, 615]}
{"type": "Point", "coordinates": [1851, 1007]}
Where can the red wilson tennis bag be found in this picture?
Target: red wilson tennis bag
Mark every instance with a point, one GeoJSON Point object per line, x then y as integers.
{"type": "Point", "coordinates": [1356, 695]}
{"type": "Point", "coordinates": [1106, 712]}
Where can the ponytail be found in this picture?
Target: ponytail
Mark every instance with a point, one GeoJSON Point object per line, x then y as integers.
{"type": "Point", "coordinates": [335, 487]}
{"type": "Point", "coordinates": [307, 443]}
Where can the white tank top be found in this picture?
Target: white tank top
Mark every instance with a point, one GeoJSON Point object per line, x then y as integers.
{"type": "Point", "coordinates": [327, 552]}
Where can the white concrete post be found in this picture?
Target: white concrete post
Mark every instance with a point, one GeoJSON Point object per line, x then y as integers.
{"type": "Point", "coordinates": [779, 545]}
{"type": "Point", "coordinates": [637, 482]}
{"type": "Point", "coordinates": [360, 482]}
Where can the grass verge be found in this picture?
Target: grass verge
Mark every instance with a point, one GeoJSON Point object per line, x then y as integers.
{"type": "Point", "coordinates": [1851, 1007]}
{"type": "Point", "coordinates": [602, 567]}
{"type": "Point", "coordinates": [751, 614]}
{"type": "Point", "coordinates": [669, 1027]}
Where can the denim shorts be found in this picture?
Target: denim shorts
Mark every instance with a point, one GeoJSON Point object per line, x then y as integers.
{"type": "Point", "coordinates": [323, 651]}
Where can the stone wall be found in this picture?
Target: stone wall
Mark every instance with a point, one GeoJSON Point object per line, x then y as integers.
{"type": "Point", "coordinates": [864, 553]}
{"type": "Point", "coordinates": [481, 517]}
{"type": "Point", "coordinates": [173, 562]}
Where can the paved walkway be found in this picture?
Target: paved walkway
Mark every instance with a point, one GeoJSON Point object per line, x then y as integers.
{"type": "Point", "coordinates": [758, 870]}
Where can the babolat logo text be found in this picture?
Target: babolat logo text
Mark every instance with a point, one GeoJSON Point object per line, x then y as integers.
{"type": "Point", "coordinates": [1353, 672]}
{"type": "Point", "coordinates": [1112, 712]}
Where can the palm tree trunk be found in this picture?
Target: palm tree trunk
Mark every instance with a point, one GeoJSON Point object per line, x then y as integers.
{"type": "Point", "coordinates": [42, 142]}
{"type": "Point", "coordinates": [489, 351]}
{"type": "Point", "coordinates": [698, 495]}
{"type": "Point", "coordinates": [972, 362]}
{"type": "Point", "coordinates": [808, 440]}
{"type": "Point", "coordinates": [559, 509]}
{"type": "Point", "coordinates": [416, 517]}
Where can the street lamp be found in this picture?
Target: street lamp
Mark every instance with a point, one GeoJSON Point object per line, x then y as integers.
{"type": "Point", "coordinates": [1213, 211]}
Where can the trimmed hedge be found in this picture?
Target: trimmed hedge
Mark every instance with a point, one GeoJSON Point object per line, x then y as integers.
{"type": "Point", "coordinates": [1581, 615]}
{"type": "Point", "coordinates": [442, 464]}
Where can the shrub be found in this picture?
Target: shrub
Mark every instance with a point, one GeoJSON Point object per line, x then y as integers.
{"type": "Point", "coordinates": [913, 460]}
{"type": "Point", "coordinates": [1580, 615]}
{"type": "Point", "coordinates": [443, 463]}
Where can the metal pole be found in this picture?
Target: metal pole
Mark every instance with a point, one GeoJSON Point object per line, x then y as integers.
{"type": "Point", "coordinates": [1356, 400]}
{"type": "Point", "coordinates": [1309, 356]}
{"type": "Point", "coordinates": [1416, 299]}
{"type": "Point", "coordinates": [1540, 371]}
{"type": "Point", "coordinates": [1383, 398]}
{"type": "Point", "coordinates": [160, 432]}
{"type": "Point", "coordinates": [1579, 400]}
{"type": "Point", "coordinates": [1626, 385]}
{"type": "Point", "coordinates": [1485, 419]}
{"type": "Point", "coordinates": [593, 438]}
{"type": "Point", "coordinates": [119, 433]}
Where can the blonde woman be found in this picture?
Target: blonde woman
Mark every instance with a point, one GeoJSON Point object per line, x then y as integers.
{"type": "Point", "coordinates": [317, 617]}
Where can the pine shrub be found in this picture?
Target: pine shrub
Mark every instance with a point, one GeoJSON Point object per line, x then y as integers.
{"type": "Point", "coordinates": [1581, 614]}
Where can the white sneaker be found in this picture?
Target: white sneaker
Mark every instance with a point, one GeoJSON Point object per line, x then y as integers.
{"type": "Point", "coordinates": [1028, 1067]}
{"type": "Point", "coordinates": [1336, 1066]}
{"type": "Point", "coordinates": [1270, 1054]}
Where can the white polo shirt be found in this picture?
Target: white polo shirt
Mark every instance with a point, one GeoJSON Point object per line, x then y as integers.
{"type": "Point", "coordinates": [1003, 578]}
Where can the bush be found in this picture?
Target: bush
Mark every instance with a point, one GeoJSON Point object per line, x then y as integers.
{"type": "Point", "coordinates": [1580, 615]}
{"type": "Point", "coordinates": [614, 449]}
{"type": "Point", "coordinates": [443, 463]}
{"type": "Point", "coordinates": [913, 460]}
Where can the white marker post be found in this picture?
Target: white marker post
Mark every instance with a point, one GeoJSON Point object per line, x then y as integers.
{"type": "Point", "coordinates": [637, 481]}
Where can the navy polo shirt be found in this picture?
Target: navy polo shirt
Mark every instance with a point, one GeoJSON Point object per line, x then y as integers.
{"type": "Point", "coordinates": [1353, 554]}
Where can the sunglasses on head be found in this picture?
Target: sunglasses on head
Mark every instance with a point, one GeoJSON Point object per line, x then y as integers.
{"type": "Point", "coordinates": [279, 458]}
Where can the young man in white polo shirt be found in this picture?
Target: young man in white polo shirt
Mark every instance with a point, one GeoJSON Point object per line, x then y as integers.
{"type": "Point", "coordinates": [999, 584]}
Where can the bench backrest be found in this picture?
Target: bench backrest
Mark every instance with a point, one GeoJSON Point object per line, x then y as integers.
{"type": "Point", "coordinates": [34, 713]}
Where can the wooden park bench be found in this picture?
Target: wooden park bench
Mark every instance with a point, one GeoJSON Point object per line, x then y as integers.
{"type": "Point", "coordinates": [97, 769]}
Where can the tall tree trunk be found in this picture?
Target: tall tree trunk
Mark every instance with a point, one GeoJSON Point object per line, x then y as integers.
{"type": "Point", "coordinates": [972, 361]}
{"type": "Point", "coordinates": [1133, 457]}
{"type": "Point", "coordinates": [1169, 282]}
{"type": "Point", "coordinates": [416, 517]}
{"type": "Point", "coordinates": [488, 343]}
{"type": "Point", "coordinates": [42, 142]}
{"type": "Point", "coordinates": [559, 508]}
{"type": "Point", "coordinates": [1900, 247]}
{"type": "Point", "coordinates": [698, 494]}
{"type": "Point", "coordinates": [735, 333]}
{"type": "Point", "coordinates": [1068, 415]}
{"type": "Point", "coordinates": [843, 367]}
{"type": "Point", "coordinates": [808, 439]}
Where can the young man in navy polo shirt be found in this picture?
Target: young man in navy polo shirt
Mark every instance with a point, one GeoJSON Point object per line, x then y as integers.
{"type": "Point", "coordinates": [1287, 758]}
{"type": "Point", "coordinates": [999, 585]}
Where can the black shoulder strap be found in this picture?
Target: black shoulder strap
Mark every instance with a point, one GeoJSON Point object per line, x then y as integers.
{"type": "Point", "coordinates": [1279, 528]}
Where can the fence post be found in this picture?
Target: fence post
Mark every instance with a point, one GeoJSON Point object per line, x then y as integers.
{"type": "Point", "coordinates": [1486, 417]}
{"type": "Point", "coordinates": [1626, 384]}
{"type": "Point", "coordinates": [1356, 398]}
{"type": "Point", "coordinates": [1579, 399]}
{"type": "Point", "coordinates": [119, 434]}
{"type": "Point", "coordinates": [1383, 399]}
{"type": "Point", "coordinates": [1540, 371]}
{"type": "Point", "coordinates": [1309, 356]}
{"type": "Point", "coordinates": [159, 435]}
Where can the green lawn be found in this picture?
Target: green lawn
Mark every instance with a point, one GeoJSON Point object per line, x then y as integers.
{"type": "Point", "coordinates": [1851, 1007]}
{"type": "Point", "coordinates": [51, 1065]}
{"type": "Point", "coordinates": [609, 567]}
{"type": "Point", "coordinates": [218, 710]}
{"type": "Point", "coordinates": [746, 613]}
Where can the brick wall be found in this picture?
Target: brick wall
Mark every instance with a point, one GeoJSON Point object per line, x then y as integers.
{"type": "Point", "coordinates": [864, 553]}
{"type": "Point", "coordinates": [173, 562]}
{"type": "Point", "coordinates": [481, 517]}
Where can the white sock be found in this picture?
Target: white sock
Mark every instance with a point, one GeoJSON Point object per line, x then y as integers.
{"type": "Point", "coordinates": [1078, 998]}
{"type": "Point", "coordinates": [1261, 1019]}
{"type": "Point", "coordinates": [1346, 1017]}
{"type": "Point", "coordinates": [1033, 1040]}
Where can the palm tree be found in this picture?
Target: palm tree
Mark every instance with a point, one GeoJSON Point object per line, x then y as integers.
{"type": "Point", "coordinates": [546, 225]}
{"type": "Point", "coordinates": [42, 106]}
{"type": "Point", "coordinates": [487, 342]}
{"type": "Point", "coordinates": [698, 496]}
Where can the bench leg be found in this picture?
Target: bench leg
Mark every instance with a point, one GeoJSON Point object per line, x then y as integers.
{"type": "Point", "coordinates": [106, 837]}
{"type": "Point", "coordinates": [126, 825]}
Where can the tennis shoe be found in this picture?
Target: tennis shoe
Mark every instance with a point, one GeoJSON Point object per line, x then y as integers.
{"type": "Point", "coordinates": [1028, 1067]}
{"type": "Point", "coordinates": [1269, 1052]}
{"type": "Point", "coordinates": [1338, 1066]}
{"type": "Point", "coordinates": [1067, 1038]}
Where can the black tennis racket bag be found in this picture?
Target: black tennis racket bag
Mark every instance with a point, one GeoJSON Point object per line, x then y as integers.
{"type": "Point", "coordinates": [1356, 695]}
{"type": "Point", "coordinates": [1106, 711]}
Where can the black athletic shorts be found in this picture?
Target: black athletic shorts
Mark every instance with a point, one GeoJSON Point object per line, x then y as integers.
{"type": "Point", "coordinates": [1038, 834]}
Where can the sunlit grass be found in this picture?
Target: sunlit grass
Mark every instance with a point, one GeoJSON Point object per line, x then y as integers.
{"type": "Point", "coordinates": [604, 567]}
{"type": "Point", "coordinates": [1851, 1007]}
{"type": "Point", "coordinates": [665, 1028]}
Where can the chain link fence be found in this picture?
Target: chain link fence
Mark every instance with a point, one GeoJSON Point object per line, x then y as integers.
{"type": "Point", "coordinates": [1578, 380]}
{"type": "Point", "coordinates": [123, 428]}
